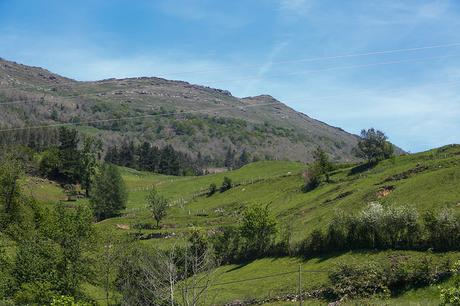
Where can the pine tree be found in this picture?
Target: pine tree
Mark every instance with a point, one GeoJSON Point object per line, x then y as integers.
{"type": "Point", "coordinates": [69, 155]}
{"type": "Point", "coordinates": [108, 196]}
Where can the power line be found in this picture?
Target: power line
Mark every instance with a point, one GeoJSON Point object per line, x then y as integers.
{"type": "Point", "coordinates": [336, 68]}
{"type": "Point", "coordinates": [312, 59]}
{"type": "Point", "coordinates": [310, 99]}
{"type": "Point", "coordinates": [132, 117]}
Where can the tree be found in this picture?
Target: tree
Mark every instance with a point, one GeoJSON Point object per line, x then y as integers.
{"type": "Point", "coordinates": [322, 162]}
{"type": "Point", "coordinates": [71, 229]}
{"type": "Point", "coordinates": [108, 196]}
{"type": "Point", "coordinates": [158, 205]}
{"type": "Point", "coordinates": [169, 161]}
{"type": "Point", "coordinates": [244, 158]}
{"type": "Point", "coordinates": [69, 155]}
{"type": "Point", "coordinates": [89, 157]}
{"type": "Point", "coordinates": [50, 163]}
{"type": "Point", "coordinates": [374, 146]}
{"type": "Point", "coordinates": [258, 228]}
{"type": "Point", "coordinates": [212, 189]}
{"type": "Point", "coordinates": [312, 178]}
{"type": "Point", "coordinates": [226, 184]}
{"type": "Point", "coordinates": [10, 193]}
{"type": "Point", "coordinates": [229, 161]}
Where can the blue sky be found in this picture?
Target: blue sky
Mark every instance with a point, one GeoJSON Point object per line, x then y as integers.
{"type": "Point", "coordinates": [277, 47]}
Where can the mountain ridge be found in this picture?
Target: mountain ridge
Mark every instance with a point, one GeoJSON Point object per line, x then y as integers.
{"type": "Point", "coordinates": [207, 120]}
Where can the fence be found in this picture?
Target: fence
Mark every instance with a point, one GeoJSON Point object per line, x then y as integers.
{"type": "Point", "coordinates": [182, 201]}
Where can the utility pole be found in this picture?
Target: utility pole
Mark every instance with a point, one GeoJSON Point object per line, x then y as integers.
{"type": "Point", "coordinates": [300, 285]}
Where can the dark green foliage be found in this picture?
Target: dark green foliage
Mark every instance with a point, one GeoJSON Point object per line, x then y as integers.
{"type": "Point", "coordinates": [71, 230]}
{"type": "Point", "coordinates": [226, 184]}
{"type": "Point", "coordinates": [69, 163]}
{"type": "Point", "coordinates": [258, 229]}
{"type": "Point", "coordinates": [322, 163]}
{"type": "Point", "coordinates": [253, 238]}
{"type": "Point", "coordinates": [244, 158]}
{"type": "Point", "coordinates": [151, 158]}
{"type": "Point", "coordinates": [10, 191]}
{"type": "Point", "coordinates": [318, 171]}
{"type": "Point", "coordinates": [37, 139]}
{"type": "Point", "coordinates": [212, 189]}
{"type": "Point", "coordinates": [158, 205]}
{"type": "Point", "coordinates": [227, 244]}
{"type": "Point", "coordinates": [89, 158]}
{"type": "Point", "coordinates": [109, 195]}
{"type": "Point", "coordinates": [51, 255]}
{"type": "Point", "coordinates": [232, 161]}
{"type": "Point", "coordinates": [229, 161]}
{"type": "Point", "coordinates": [69, 155]}
{"type": "Point", "coordinates": [36, 270]}
{"type": "Point", "coordinates": [50, 163]}
{"type": "Point", "coordinates": [373, 146]}
{"type": "Point", "coordinates": [7, 281]}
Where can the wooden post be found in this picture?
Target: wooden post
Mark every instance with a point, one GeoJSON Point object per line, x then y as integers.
{"type": "Point", "coordinates": [300, 285]}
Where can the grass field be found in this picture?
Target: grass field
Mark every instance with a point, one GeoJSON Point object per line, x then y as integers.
{"type": "Point", "coordinates": [314, 276]}
{"type": "Point", "coordinates": [426, 180]}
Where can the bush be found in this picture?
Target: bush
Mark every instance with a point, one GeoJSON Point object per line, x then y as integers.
{"type": "Point", "coordinates": [384, 278]}
{"type": "Point", "coordinates": [451, 296]}
{"type": "Point", "coordinates": [375, 227]}
{"type": "Point", "coordinates": [226, 184]}
{"type": "Point", "coordinates": [312, 178]}
{"type": "Point", "coordinates": [212, 189]}
{"type": "Point", "coordinates": [258, 229]}
{"type": "Point", "coordinates": [226, 243]}
{"type": "Point", "coordinates": [351, 280]}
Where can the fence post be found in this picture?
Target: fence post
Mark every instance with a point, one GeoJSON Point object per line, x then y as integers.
{"type": "Point", "coordinates": [300, 284]}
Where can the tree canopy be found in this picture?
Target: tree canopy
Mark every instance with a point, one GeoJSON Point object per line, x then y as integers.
{"type": "Point", "coordinates": [109, 195]}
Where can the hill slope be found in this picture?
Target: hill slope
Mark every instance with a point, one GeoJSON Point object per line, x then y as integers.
{"type": "Point", "coordinates": [426, 181]}
{"type": "Point", "coordinates": [190, 117]}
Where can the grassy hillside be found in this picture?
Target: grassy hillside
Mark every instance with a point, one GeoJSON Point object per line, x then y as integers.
{"type": "Point", "coordinates": [270, 278]}
{"type": "Point", "coordinates": [428, 180]}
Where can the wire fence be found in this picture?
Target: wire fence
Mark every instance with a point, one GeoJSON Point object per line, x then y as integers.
{"type": "Point", "coordinates": [298, 289]}
{"type": "Point", "coordinates": [204, 191]}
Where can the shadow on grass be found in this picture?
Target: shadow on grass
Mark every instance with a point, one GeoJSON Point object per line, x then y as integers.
{"type": "Point", "coordinates": [239, 266]}
{"type": "Point", "coordinates": [362, 168]}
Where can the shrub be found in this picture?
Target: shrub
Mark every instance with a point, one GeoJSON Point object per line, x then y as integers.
{"type": "Point", "coordinates": [226, 243]}
{"type": "Point", "coordinates": [451, 295]}
{"type": "Point", "coordinates": [212, 189]}
{"type": "Point", "coordinates": [384, 278]}
{"type": "Point", "coordinates": [375, 226]}
{"type": "Point", "coordinates": [312, 178]}
{"type": "Point", "coordinates": [226, 184]}
{"type": "Point", "coordinates": [258, 229]}
{"type": "Point", "coordinates": [352, 280]}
